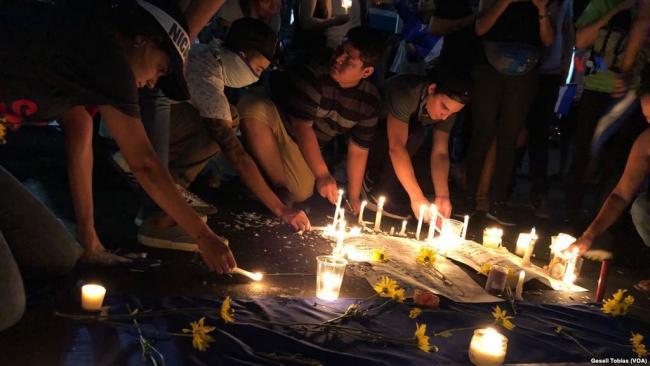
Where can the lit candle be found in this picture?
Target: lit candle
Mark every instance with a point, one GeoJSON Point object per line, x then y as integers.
{"type": "Point", "coordinates": [528, 252]}
{"type": "Point", "coordinates": [465, 226]}
{"type": "Point", "coordinates": [380, 210]}
{"type": "Point", "coordinates": [355, 231]}
{"type": "Point", "coordinates": [338, 207]}
{"type": "Point", "coordinates": [570, 272]}
{"type": "Point", "coordinates": [392, 230]}
{"type": "Point", "coordinates": [346, 4]}
{"type": "Point", "coordinates": [432, 222]}
{"type": "Point", "coordinates": [255, 276]}
{"type": "Point", "coordinates": [363, 207]}
{"type": "Point", "coordinates": [488, 347]}
{"type": "Point", "coordinates": [492, 237]}
{"type": "Point", "coordinates": [329, 277]}
{"type": "Point", "coordinates": [523, 242]}
{"type": "Point", "coordinates": [420, 220]}
{"type": "Point", "coordinates": [340, 237]}
{"type": "Point", "coordinates": [520, 286]}
{"type": "Point", "coordinates": [92, 297]}
{"type": "Point", "coordinates": [403, 231]}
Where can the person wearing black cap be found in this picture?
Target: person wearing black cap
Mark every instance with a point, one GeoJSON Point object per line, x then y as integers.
{"type": "Point", "coordinates": [412, 105]}
{"type": "Point", "coordinates": [41, 83]}
{"type": "Point", "coordinates": [205, 125]}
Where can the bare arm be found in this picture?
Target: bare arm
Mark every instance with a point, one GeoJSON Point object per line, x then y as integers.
{"type": "Point", "coordinates": [308, 144]}
{"type": "Point", "coordinates": [199, 13]}
{"type": "Point", "coordinates": [309, 22]}
{"type": "Point", "coordinates": [78, 134]}
{"type": "Point", "coordinates": [250, 174]}
{"type": "Point", "coordinates": [402, 163]}
{"type": "Point", "coordinates": [546, 32]}
{"type": "Point", "coordinates": [440, 171]}
{"type": "Point", "coordinates": [638, 35]}
{"type": "Point", "coordinates": [154, 178]}
{"type": "Point", "coordinates": [636, 171]}
{"type": "Point", "coordinates": [490, 11]}
{"type": "Point", "coordinates": [586, 35]}
{"type": "Point", "coordinates": [357, 159]}
{"type": "Point", "coordinates": [441, 26]}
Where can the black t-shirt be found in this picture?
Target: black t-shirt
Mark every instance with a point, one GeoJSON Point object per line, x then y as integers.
{"type": "Point", "coordinates": [53, 60]}
{"type": "Point", "coordinates": [519, 23]}
{"type": "Point", "coordinates": [459, 47]}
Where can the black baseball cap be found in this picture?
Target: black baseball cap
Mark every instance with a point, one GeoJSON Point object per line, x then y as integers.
{"type": "Point", "coordinates": [176, 44]}
{"type": "Point", "coordinates": [456, 87]}
{"type": "Point", "coordinates": [252, 34]}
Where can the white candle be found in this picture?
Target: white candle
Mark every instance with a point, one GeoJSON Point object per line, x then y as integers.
{"type": "Point", "coordinates": [520, 286]}
{"type": "Point", "coordinates": [492, 237]}
{"type": "Point", "coordinates": [329, 277]}
{"type": "Point", "coordinates": [340, 237]}
{"type": "Point", "coordinates": [570, 272]}
{"type": "Point", "coordinates": [488, 347]}
{"type": "Point", "coordinates": [380, 210]}
{"type": "Point", "coordinates": [92, 297]}
{"type": "Point", "coordinates": [338, 207]}
{"type": "Point", "coordinates": [392, 230]}
{"type": "Point", "coordinates": [403, 231]}
{"type": "Point", "coordinates": [532, 238]}
{"type": "Point", "coordinates": [465, 226]}
{"type": "Point", "coordinates": [346, 4]}
{"type": "Point", "coordinates": [432, 222]}
{"type": "Point", "coordinates": [363, 207]}
{"type": "Point", "coordinates": [355, 231]}
{"type": "Point", "coordinates": [255, 276]}
{"type": "Point", "coordinates": [523, 242]}
{"type": "Point", "coordinates": [420, 220]}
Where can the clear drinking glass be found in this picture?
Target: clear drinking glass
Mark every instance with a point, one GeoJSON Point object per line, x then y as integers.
{"type": "Point", "coordinates": [329, 276]}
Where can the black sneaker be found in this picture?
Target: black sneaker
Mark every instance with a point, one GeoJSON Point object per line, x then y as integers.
{"type": "Point", "coordinates": [501, 213]}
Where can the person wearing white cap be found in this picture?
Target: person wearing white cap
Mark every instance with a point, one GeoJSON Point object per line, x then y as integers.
{"type": "Point", "coordinates": [90, 60]}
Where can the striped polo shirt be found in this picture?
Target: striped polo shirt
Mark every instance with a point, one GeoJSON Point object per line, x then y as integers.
{"type": "Point", "coordinates": [308, 93]}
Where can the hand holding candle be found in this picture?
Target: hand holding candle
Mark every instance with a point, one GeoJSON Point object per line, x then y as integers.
{"type": "Point", "coordinates": [339, 199]}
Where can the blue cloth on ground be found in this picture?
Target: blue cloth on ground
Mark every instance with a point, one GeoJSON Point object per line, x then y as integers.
{"type": "Point", "coordinates": [247, 343]}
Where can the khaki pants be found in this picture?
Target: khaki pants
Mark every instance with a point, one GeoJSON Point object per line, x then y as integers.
{"type": "Point", "coordinates": [191, 146]}
{"type": "Point", "coordinates": [300, 179]}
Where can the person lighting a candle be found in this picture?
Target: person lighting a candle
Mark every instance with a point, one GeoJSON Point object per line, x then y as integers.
{"type": "Point", "coordinates": [285, 127]}
{"type": "Point", "coordinates": [635, 174]}
{"type": "Point", "coordinates": [414, 105]}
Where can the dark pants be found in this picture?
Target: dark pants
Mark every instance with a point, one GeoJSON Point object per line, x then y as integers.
{"type": "Point", "coordinates": [614, 153]}
{"type": "Point", "coordinates": [500, 104]}
{"type": "Point", "coordinates": [155, 118]}
{"type": "Point", "coordinates": [380, 167]}
{"type": "Point", "coordinates": [33, 244]}
{"type": "Point", "coordinates": [539, 118]}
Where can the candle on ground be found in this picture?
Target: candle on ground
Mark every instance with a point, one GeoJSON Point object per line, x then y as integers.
{"type": "Point", "coordinates": [420, 220]}
{"type": "Point", "coordinates": [363, 207]}
{"type": "Point", "coordinates": [403, 231]}
{"type": "Point", "coordinates": [492, 237]}
{"type": "Point", "coordinates": [530, 248]}
{"type": "Point", "coordinates": [570, 272]}
{"type": "Point", "coordinates": [488, 347]}
{"type": "Point", "coordinates": [380, 211]}
{"type": "Point", "coordinates": [465, 226]}
{"type": "Point", "coordinates": [432, 222]}
{"type": "Point", "coordinates": [346, 5]}
{"type": "Point", "coordinates": [92, 297]}
{"type": "Point", "coordinates": [520, 286]}
{"type": "Point", "coordinates": [338, 207]}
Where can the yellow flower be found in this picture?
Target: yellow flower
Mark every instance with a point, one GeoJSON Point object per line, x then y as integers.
{"type": "Point", "coordinates": [558, 329]}
{"type": "Point", "coordinates": [3, 133]}
{"type": "Point", "coordinates": [426, 256]}
{"type": "Point", "coordinates": [414, 313]}
{"type": "Point", "coordinates": [227, 313]}
{"type": "Point", "coordinates": [398, 295]}
{"type": "Point", "coordinates": [502, 318]}
{"type": "Point", "coordinates": [485, 269]}
{"type": "Point", "coordinates": [385, 287]}
{"type": "Point", "coordinates": [637, 346]}
{"type": "Point", "coordinates": [378, 255]}
{"type": "Point", "coordinates": [200, 338]}
{"type": "Point", "coordinates": [422, 338]}
{"type": "Point", "coordinates": [618, 305]}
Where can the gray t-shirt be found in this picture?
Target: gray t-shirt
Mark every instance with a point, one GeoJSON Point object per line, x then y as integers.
{"type": "Point", "coordinates": [205, 81]}
{"type": "Point", "coordinates": [404, 97]}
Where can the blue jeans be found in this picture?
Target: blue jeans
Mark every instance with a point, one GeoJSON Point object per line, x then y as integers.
{"type": "Point", "coordinates": [155, 118]}
{"type": "Point", "coordinates": [640, 213]}
{"type": "Point", "coordinates": [33, 244]}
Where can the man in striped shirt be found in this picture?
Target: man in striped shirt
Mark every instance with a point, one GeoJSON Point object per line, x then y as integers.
{"type": "Point", "coordinates": [286, 126]}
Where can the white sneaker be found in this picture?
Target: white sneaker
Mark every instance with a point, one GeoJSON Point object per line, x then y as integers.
{"type": "Point", "coordinates": [173, 238]}
{"type": "Point", "coordinates": [199, 205]}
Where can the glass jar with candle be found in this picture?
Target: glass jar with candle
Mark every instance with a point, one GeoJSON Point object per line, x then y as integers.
{"type": "Point", "coordinates": [496, 281]}
{"type": "Point", "coordinates": [329, 276]}
{"type": "Point", "coordinates": [488, 347]}
{"type": "Point", "coordinates": [492, 237]}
